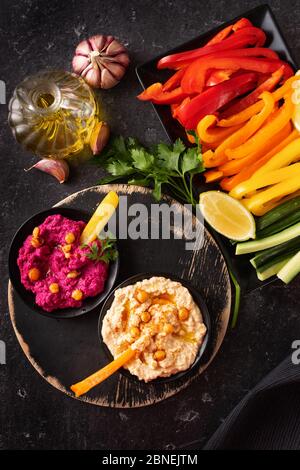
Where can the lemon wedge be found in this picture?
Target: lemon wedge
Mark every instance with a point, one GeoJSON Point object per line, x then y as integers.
{"type": "Point", "coordinates": [100, 218]}
{"type": "Point", "coordinates": [227, 215]}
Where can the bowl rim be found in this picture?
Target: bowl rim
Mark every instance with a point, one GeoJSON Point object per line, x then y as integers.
{"type": "Point", "coordinates": [71, 312]}
{"type": "Point", "coordinates": [198, 299]}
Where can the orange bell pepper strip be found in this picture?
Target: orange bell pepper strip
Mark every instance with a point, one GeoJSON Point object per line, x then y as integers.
{"type": "Point", "coordinates": [220, 36]}
{"type": "Point", "coordinates": [155, 94]}
{"type": "Point", "coordinates": [247, 113]}
{"type": "Point", "coordinates": [236, 166]}
{"type": "Point", "coordinates": [230, 183]}
{"type": "Point", "coordinates": [224, 33]}
{"type": "Point", "coordinates": [268, 85]}
{"type": "Point", "coordinates": [214, 135]}
{"type": "Point", "coordinates": [245, 132]}
{"type": "Point", "coordinates": [280, 119]}
{"type": "Point", "coordinates": [212, 175]}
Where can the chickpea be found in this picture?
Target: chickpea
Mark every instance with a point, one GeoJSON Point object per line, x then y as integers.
{"type": "Point", "coordinates": [67, 255]}
{"type": "Point", "coordinates": [54, 288]}
{"type": "Point", "coordinates": [135, 332]}
{"type": "Point", "coordinates": [36, 242]}
{"type": "Point", "coordinates": [36, 232]}
{"type": "Point", "coordinates": [141, 296]}
{"type": "Point", "coordinates": [145, 317]}
{"type": "Point", "coordinates": [77, 294]}
{"type": "Point", "coordinates": [67, 248]}
{"type": "Point", "coordinates": [73, 274]}
{"type": "Point", "coordinates": [34, 274]}
{"type": "Point", "coordinates": [160, 355]}
{"type": "Point", "coordinates": [168, 328]}
{"type": "Point", "coordinates": [183, 314]}
{"type": "Point", "coordinates": [70, 237]}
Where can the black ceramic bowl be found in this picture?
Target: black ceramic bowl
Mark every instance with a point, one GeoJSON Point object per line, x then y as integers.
{"type": "Point", "coordinates": [198, 300]}
{"type": "Point", "coordinates": [28, 297]}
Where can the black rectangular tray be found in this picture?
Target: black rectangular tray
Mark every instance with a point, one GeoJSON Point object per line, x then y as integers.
{"type": "Point", "coordinates": [148, 73]}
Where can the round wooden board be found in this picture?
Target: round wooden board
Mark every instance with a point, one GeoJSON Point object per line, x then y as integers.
{"type": "Point", "coordinates": [66, 351]}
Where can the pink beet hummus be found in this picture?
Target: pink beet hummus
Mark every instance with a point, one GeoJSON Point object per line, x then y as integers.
{"type": "Point", "coordinates": [54, 266]}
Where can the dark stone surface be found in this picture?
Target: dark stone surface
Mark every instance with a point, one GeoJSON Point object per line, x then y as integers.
{"type": "Point", "coordinates": [35, 34]}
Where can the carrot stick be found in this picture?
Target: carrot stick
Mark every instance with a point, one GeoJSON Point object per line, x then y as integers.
{"type": "Point", "coordinates": [212, 175]}
{"type": "Point", "coordinates": [85, 385]}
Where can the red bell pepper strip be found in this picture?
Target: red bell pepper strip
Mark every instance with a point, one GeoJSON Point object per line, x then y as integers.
{"type": "Point", "coordinates": [212, 99]}
{"type": "Point", "coordinates": [268, 85]}
{"type": "Point", "coordinates": [156, 95]}
{"type": "Point", "coordinates": [224, 33]}
{"type": "Point", "coordinates": [220, 36]}
{"type": "Point", "coordinates": [218, 76]}
{"type": "Point", "coordinates": [242, 23]}
{"type": "Point", "coordinates": [173, 81]}
{"type": "Point", "coordinates": [242, 38]}
{"type": "Point", "coordinates": [195, 75]}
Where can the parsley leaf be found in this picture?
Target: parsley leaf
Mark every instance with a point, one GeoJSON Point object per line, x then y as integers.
{"type": "Point", "coordinates": [106, 251]}
{"type": "Point", "coordinates": [171, 165]}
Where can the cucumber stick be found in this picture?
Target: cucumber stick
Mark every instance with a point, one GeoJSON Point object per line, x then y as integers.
{"type": "Point", "coordinates": [272, 270]}
{"type": "Point", "coordinates": [290, 269]}
{"type": "Point", "coordinates": [280, 225]}
{"type": "Point", "coordinates": [268, 242]}
{"type": "Point", "coordinates": [279, 212]}
{"type": "Point", "coordinates": [266, 258]}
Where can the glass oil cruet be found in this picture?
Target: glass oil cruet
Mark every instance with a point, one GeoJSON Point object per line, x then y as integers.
{"type": "Point", "coordinates": [53, 113]}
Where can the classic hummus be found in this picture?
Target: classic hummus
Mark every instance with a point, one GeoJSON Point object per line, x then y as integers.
{"type": "Point", "coordinates": [159, 318]}
{"type": "Point", "coordinates": [55, 267]}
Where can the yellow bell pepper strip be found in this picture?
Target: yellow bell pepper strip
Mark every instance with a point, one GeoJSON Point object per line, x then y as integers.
{"type": "Point", "coordinates": [270, 178]}
{"type": "Point", "coordinates": [250, 164]}
{"type": "Point", "coordinates": [288, 186]}
{"type": "Point", "coordinates": [235, 166]}
{"type": "Point", "coordinates": [280, 119]}
{"type": "Point", "coordinates": [247, 113]}
{"type": "Point", "coordinates": [211, 136]}
{"type": "Point", "coordinates": [243, 134]}
{"type": "Point", "coordinates": [289, 154]}
{"type": "Point", "coordinates": [212, 175]}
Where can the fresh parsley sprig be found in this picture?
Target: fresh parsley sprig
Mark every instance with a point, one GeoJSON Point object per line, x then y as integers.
{"type": "Point", "coordinates": [171, 165]}
{"type": "Point", "coordinates": [106, 251]}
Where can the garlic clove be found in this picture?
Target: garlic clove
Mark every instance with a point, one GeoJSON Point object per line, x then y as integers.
{"type": "Point", "coordinates": [93, 77]}
{"type": "Point", "coordinates": [108, 80]}
{"type": "Point", "coordinates": [99, 137]}
{"type": "Point", "coordinates": [98, 42]}
{"type": "Point", "coordinates": [83, 48]}
{"type": "Point", "coordinates": [115, 48]}
{"type": "Point", "coordinates": [57, 168]}
{"type": "Point", "coordinates": [79, 63]}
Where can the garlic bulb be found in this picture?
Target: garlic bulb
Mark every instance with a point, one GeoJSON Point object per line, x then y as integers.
{"type": "Point", "coordinates": [101, 61]}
